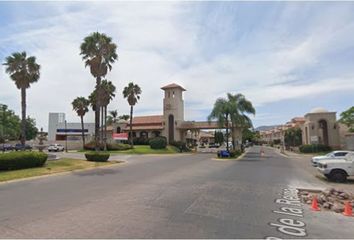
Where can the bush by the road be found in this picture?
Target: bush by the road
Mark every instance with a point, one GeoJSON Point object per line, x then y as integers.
{"type": "Point", "coordinates": [158, 143]}
{"type": "Point", "coordinates": [21, 160]}
{"type": "Point", "coordinates": [97, 156]}
{"type": "Point", "coordinates": [235, 153]}
{"type": "Point", "coordinates": [182, 146]}
{"type": "Point", "coordinates": [313, 148]}
{"type": "Point", "coordinates": [110, 146]}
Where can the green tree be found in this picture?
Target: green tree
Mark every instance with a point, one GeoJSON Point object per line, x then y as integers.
{"type": "Point", "coordinates": [23, 71]}
{"type": "Point", "coordinates": [218, 137]}
{"type": "Point", "coordinates": [99, 53]}
{"type": "Point", "coordinates": [347, 118]}
{"type": "Point", "coordinates": [112, 117]}
{"type": "Point", "coordinates": [132, 94]}
{"type": "Point", "coordinates": [31, 129]}
{"type": "Point", "coordinates": [107, 94]}
{"type": "Point", "coordinates": [80, 106]}
{"type": "Point", "coordinates": [124, 117]}
{"type": "Point", "coordinates": [239, 108]}
{"type": "Point", "coordinates": [10, 124]}
{"type": "Point", "coordinates": [221, 112]}
{"type": "Point", "coordinates": [293, 137]}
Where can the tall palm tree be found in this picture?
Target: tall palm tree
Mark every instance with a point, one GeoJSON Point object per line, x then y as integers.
{"type": "Point", "coordinates": [108, 93]}
{"type": "Point", "coordinates": [23, 71]}
{"type": "Point", "coordinates": [239, 108]}
{"type": "Point", "coordinates": [131, 93]}
{"type": "Point", "coordinates": [221, 112]}
{"type": "Point", "coordinates": [99, 53]}
{"type": "Point", "coordinates": [113, 115]}
{"type": "Point", "coordinates": [80, 106]}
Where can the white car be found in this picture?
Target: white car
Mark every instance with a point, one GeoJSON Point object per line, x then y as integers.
{"type": "Point", "coordinates": [55, 148]}
{"type": "Point", "coordinates": [331, 155]}
{"type": "Point", "coordinates": [337, 169]}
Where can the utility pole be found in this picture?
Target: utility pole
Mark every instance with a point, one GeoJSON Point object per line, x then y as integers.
{"type": "Point", "coordinates": [3, 126]}
{"type": "Point", "coordinates": [66, 138]}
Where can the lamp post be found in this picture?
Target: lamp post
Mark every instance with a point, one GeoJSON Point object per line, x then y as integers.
{"type": "Point", "coordinates": [66, 138]}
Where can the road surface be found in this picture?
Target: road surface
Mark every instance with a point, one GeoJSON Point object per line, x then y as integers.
{"type": "Point", "coordinates": [174, 196]}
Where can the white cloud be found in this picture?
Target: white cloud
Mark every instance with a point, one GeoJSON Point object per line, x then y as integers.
{"type": "Point", "coordinates": [158, 43]}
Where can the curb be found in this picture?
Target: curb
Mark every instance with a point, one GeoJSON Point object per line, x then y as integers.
{"type": "Point", "coordinates": [231, 159]}
{"type": "Point", "coordinates": [61, 173]}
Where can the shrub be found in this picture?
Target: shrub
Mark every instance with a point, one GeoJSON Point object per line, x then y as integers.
{"type": "Point", "coordinates": [110, 146]}
{"type": "Point", "coordinates": [182, 146]}
{"type": "Point", "coordinates": [235, 153]}
{"type": "Point", "coordinates": [158, 143]}
{"type": "Point", "coordinates": [276, 141]}
{"type": "Point", "coordinates": [21, 160]}
{"type": "Point", "coordinates": [118, 147]}
{"type": "Point", "coordinates": [141, 141]}
{"type": "Point", "coordinates": [313, 148]}
{"type": "Point", "coordinates": [97, 156]}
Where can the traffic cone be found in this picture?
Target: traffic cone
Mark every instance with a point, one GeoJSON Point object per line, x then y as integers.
{"type": "Point", "coordinates": [314, 206]}
{"type": "Point", "coordinates": [348, 209]}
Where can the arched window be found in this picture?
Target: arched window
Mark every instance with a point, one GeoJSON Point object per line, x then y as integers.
{"type": "Point", "coordinates": [119, 130]}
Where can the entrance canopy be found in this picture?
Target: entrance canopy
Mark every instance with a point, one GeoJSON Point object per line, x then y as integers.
{"type": "Point", "coordinates": [198, 125]}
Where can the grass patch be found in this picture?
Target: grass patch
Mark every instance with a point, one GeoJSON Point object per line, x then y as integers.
{"type": "Point", "coordinates": [144, 149]}
{"type": "Point", "coordinates": [51, 167]}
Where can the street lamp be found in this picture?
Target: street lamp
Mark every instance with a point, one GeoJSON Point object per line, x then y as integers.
{"type": "Point", "coordinates": [66, 138]}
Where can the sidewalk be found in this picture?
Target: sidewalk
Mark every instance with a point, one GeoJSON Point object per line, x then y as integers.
{"type": "Point", "coordinates": [304, 161]}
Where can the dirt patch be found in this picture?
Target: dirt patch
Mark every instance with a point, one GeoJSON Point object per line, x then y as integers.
{"type": "Point", "coordinates": [330, 199]}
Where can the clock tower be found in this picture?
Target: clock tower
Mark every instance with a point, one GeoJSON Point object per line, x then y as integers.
{"type": "Point", "coordinates": [173, 111]}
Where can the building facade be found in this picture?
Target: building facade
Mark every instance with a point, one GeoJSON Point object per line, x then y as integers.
{"type": "Point", "coordinates": [60, 130]}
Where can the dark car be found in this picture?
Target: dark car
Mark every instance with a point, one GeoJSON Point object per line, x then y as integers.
{"type": "Point", "coordinates": [6, 147]}
{"type": "Point", "coordinates": [20, 147]}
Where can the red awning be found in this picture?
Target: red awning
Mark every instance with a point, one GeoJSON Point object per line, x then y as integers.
{"type": "Point", "coordinates": [120, 136]}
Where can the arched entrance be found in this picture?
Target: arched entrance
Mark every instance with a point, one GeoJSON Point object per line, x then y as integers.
{"type": "Point", "coordinates": [171, 128]}
{"type": "Point", "coordinates": [323, 128]}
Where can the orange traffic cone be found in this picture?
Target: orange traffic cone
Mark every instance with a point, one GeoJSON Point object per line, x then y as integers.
{"type": "Point", "coordinates": [348, 209]}
{"type": "Point", "coordinates": [314, 206]}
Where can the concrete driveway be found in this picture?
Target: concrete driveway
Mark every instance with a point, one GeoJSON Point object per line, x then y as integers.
{"type": "Point", "coordinates": [170, 196]}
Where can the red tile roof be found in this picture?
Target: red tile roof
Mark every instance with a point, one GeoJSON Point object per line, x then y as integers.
{"type": "Point", "coordinates": [154, 119]}
{"type": "Point", "coordinates": [173, 85]}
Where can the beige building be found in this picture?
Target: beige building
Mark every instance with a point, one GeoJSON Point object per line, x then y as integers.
{"type": "Point", "coordinates": [171, 123]}
{"type": "Point", "coordinates": [321, 127]}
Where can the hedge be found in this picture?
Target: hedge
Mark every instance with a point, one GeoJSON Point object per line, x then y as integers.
{"type": "Point", "coordinates": [97, 156]}
{"type": "Point", "coordinates": [158, 143]}
{"type": "Point", "coordinates": [235, 153]}
{"type": "Point", "coordinates": [313, 148]}
{"type": "Point", "coordinates": [110, 146]}
{"type": "Point", "coordinates": [21, 160]}
{"type": "Point", "coordinates": [182, 146]}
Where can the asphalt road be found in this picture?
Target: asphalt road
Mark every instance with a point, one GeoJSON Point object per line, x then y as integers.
{"type": "Point", "coordinates": [175, 196]}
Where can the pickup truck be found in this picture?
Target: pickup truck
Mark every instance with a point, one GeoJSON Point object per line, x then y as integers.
{"type": "Point", "coordinates": [337, 169]}
{"type": "Point", "coordinates": [335, 154]}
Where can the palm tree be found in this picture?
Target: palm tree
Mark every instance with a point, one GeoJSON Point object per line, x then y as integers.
{"type": "Point", "coordinates": [124, 117]}
{"type": "Point", "coordinates": [239, 108]}
{"type": "Point", "coordinates": [107, 94]}
{"type": "Point", "coordinates": [113, 116]}
{"type": "Point", "coordinates": [99, 53]}
{"type": "Point", "coordinates": [80, 106]}
{"type": "Point", "coordinates": [131, 93]}
{"type": "Point", "coordinates": [221, 112]}
{"type": "Point", "coordinates": [23, 71]}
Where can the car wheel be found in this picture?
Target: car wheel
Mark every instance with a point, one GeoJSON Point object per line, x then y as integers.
{"type": "Point", "coordinates": [338, 176]}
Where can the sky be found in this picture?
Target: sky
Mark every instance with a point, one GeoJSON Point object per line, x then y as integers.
{"type": "Point", "coordinates": [285, 57]}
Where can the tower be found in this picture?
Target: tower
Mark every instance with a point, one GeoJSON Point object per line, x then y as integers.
{"type": "Point", "coordinates": [173, 111]}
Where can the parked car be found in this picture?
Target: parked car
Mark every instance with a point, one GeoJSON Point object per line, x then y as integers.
{"type": "Point", "coordinates": [20, 147]}
{"type": "Point", "coordinates": [331, 155]}
{"type": "Point", "coordinates": [337, 169]}
{"type": "Point", "coordinates": [214, 145]}
{"type": "Point", "coordinates": [6, 147]}
{"type": "Point", "coordinates": [55, 148]}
